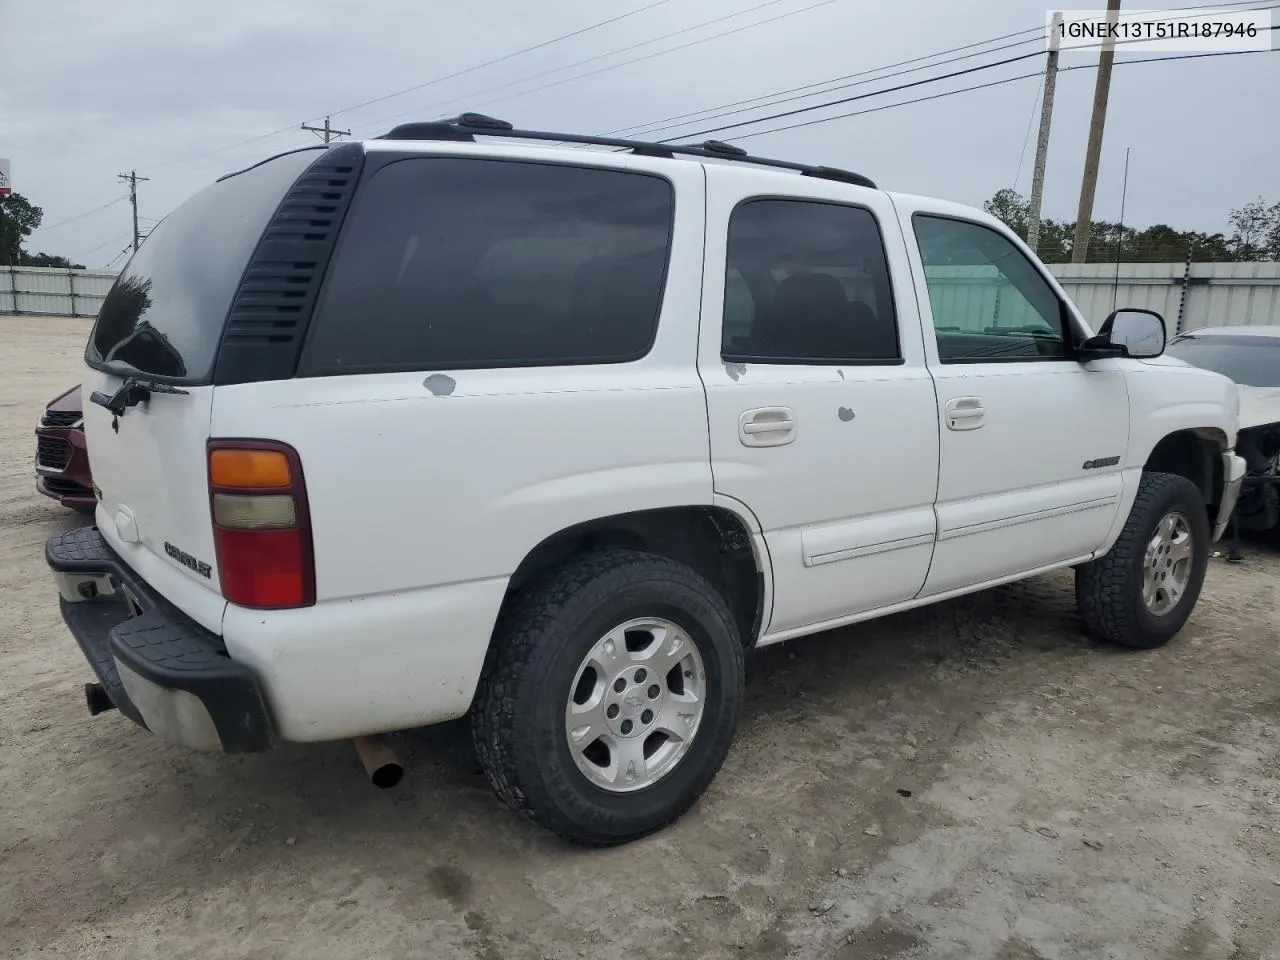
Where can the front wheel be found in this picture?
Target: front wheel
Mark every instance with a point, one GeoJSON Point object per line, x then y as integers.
{"type": "Point", "coordinates": [611, 697]}
{"type": "Point", "coordinates": [1141, 592]}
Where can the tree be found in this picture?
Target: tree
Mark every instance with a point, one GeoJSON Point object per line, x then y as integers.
{"type": "Point", "coordinates": [18, 219]}
{"type": "Point", "coordinates": [1251, 223]}
{"type": "Point", "coordinates": [1273, 232]}
{"type": "Point", "coordinates": [1008, 206]}
{"type": "Point", "coordinates": [46, 260]}
{"type": "Point", "coordinates": [1256, 236]}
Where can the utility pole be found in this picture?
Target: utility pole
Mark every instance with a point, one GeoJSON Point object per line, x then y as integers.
{"type": "Point", "coordinates": [1124, 193]}
{"type": "Point", "coordinates": [327, 132]}
{"type": "Point", "coordinates": [1042, 140]}
{"type": "Point", "coordinates": [132, 179]}
{"type": "Point", "coordinates": [1102, 88]}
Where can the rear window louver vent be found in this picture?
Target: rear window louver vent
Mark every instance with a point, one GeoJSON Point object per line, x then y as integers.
{"type": "Point", "coordinates": [272, 307]}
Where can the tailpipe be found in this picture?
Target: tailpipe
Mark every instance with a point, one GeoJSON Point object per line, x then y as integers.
{"type": "Point", "coordinates": [97, 699]}
{"type": "Point", "coordinates": [379, 760]}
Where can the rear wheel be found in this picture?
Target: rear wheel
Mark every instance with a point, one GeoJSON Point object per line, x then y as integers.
{"type": "Point", "coordinates": [611, 696]}
{"type": "Point", "coordinates": [1143, 590]}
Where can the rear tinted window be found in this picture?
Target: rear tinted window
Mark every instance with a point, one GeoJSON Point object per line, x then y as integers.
{"type": "Point", "coordinates": [455, 263]}
{"type": "Point", "coordinates": [166, 312]}
{"type": "Point", "coordinates": [807, 283]}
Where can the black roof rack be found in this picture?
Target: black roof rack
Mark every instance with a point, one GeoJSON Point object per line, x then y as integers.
{"type": "Point", "coordinates": [468, 126]}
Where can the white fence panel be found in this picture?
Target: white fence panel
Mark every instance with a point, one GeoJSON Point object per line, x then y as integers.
{"type": "Point", "coordinates": [1238, 294]}
{"type": "Point", "coordinates": [53, 290]}
{"type": "Point", "coordinates": [1217, 294]}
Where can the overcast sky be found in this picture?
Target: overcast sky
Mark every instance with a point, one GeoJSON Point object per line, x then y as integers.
{"type": "Point", "coordinates": [89, 89]}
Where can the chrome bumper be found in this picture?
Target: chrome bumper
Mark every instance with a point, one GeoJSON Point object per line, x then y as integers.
{"type": "Point", "coordinates": [1233, 468]}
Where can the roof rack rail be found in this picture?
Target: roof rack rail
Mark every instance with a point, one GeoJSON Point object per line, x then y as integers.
{"type": "Point", "coordinates": [468, 126]}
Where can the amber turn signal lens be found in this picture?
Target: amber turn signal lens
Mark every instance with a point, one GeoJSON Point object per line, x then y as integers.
{"type": "Point", "coordinates": [249, 468]}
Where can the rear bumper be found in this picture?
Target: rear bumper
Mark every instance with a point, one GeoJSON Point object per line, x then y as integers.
{"type": "Point", "coordinates": [1233, 470]}
{"type": "Point", "coordinates": [159, 667]}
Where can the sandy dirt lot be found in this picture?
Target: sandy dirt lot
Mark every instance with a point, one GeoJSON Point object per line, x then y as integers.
{"type": "Point", "coordinates": [974, 780]}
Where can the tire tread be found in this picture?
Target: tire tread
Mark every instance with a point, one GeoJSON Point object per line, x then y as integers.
{"type": "Point", "coordinates": [523, 632]}
{"type": "Point", "coordinates": [1104, 586]}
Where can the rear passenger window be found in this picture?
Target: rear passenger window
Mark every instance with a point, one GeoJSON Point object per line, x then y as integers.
{"type": "Point", "coordinates": [807, 282]}
{"type": "Point", "coordinates": [456, 263]}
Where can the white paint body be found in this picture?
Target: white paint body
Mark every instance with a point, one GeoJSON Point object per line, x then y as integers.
{"type": "Point", "coordinates": [422, 506]}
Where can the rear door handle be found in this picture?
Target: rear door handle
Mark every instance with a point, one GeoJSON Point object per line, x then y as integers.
{"type": "Point", "coordinates": [767, 427]}
{"type": "Point", "coordinates": [965, 413]}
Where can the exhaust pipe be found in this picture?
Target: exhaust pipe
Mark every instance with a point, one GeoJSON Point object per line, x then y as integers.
{"type": "Point", "coordinates": [97, 699]}
{"type": "Point", "coordinates": [379, 760]}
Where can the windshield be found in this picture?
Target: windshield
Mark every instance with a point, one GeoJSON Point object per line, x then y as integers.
{"type": "Point", "coordinates": [164, 315]}
{"type": "Point", "coordinates": [1252, 361]}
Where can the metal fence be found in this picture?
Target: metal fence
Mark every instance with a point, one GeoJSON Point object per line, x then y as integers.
{"type": "Point", "coordinates": [1187, 296]}
{"type": "Point", "coordinates": [53, 290]}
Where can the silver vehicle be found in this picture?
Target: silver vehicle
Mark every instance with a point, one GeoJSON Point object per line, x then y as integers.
{"type": "Point", "coordinates": [1251, 357]}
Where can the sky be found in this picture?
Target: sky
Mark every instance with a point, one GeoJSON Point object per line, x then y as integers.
{"type": "Point", "coordinates": [172, 90]}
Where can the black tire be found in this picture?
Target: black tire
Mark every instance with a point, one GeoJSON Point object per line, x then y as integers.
{"type": "Point", "coordinates": [539, 642]}
{"type": "Point", "coordinates": [1109, 589]}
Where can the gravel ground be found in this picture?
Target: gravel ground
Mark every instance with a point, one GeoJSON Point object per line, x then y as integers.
{"type": "Point", "coordinates": [973, 780]}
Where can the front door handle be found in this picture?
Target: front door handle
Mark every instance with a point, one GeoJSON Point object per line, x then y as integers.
{"type": "Point", "coordinates": [767, 427]}
{"type": "Point", "coordinates": [965, 413]}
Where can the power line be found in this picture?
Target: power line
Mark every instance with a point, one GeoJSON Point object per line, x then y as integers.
{"type": "Point", "coordinates": [1026, 140]}
{"type": "Point", "coordinates": [859, 83]}
{"type": "Point", "coordinates": [615, 66]}
{"type": "Point", "coordinates": [860, 96]}
{"type": "Point", "coordinates": [106, 243]}
{"type": "Point", "coordinates": [231, 146]}
{"type": "Point", "coordinates": [756, 102]}
{"type": "Point", "coordinates": [501, 59]}
{"type": "Point", "coordinates": [579, 63]}
{"type": "Point", "coordinates": [112, 261]}
{"type": "Point", "coordinates": [928, 80]}
{"type": "Point", "coordinates": [887, 106]}
{"type": "Point", "coordinates": [1180, 56]}
{"type": "Point", "coordinates": [275, 133]}
{"type": "Point", "coordinates": [61, 223]}
{"type": "Point", "coordinates": [700, 114]}
{"type": "Point", "coordinates": [983, 86]}
{"type": "Point", "coordinates": [163, 165]}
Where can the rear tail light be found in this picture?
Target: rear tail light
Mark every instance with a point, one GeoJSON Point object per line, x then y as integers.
{"type": "Point", "coordinates": [261, 524]}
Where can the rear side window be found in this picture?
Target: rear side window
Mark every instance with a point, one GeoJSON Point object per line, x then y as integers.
{"type": "Point", "coordinates": [807, 283]}
{"type": "Point", "coordinates": [450, 263]}
{"type": "Point", "coordinates": [164, 315]}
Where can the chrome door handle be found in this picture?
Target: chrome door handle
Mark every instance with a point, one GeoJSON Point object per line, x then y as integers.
{"type": "Point", "coordinates": [767, 427]}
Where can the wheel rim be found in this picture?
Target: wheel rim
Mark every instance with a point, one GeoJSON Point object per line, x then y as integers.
{"type": "Point", "coordinates": [1166, 568]}
{"type": "Point", "coordinates": [635, 705]}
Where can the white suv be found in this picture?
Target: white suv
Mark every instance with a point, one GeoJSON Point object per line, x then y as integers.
{"type": "Point", "coordinates": [465, 420]}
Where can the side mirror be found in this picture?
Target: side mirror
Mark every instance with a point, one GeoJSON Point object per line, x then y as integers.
{"type": "Point", "coordinates": [1128, 332]}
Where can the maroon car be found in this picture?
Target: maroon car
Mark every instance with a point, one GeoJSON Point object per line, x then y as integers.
{"type": "Point", "coordinates": [62, 462]}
